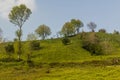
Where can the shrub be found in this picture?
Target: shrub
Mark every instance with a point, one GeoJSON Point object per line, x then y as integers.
{"type": "Point", "coordinates": [34, 45]}
{"type": "Point", "coordinates": [92, 44]}
{"type": "Point", "coordinates": [107, 48]}
{"type": "Point", "coordinates": [116, 32]}
{"type": "Point", "coordinates": [93, 48]}
{"type": "Point", "coordinates": [102, 30]}
{"type": "Point", "coordinates": [9, 48]}
{"type": "Point", "coordinates": [65, 40]}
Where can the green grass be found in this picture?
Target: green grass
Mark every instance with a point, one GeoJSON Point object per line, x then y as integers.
{"type": "Point", "coordinates": [55, 61]}
{"type": "Point", "coordinates": [67, 73]}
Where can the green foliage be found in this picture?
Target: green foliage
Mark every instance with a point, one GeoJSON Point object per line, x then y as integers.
{"type": "Point", "coordinates": [54, 61]}
{"type": "Point", "coordinates": [102, 30]}
{"type": "Point", "coordinates": [43, 31]}
{"type": "Point", "coordinates": [98, 43]}
{"type": "Point", "coordinates": [92, 44]}
{"type": "Point", "coordinates": [9, 48]}
{"type": "Point", "coordinates": [65, 40]}
{"type": "Point", "coordinates": [116, 32]}
{"type": "Point", "coordinates": [15, 39]}
{"type": "Point", "coordinates": [77, 24]}
{"type": "Point", "coordinates": [107, 48]}
{"type": "Point", "coordinates": [18, 16]}
{"type": "Point", "coordinates": [94, 49]}
{"type": "Point", "coordinates": [34, 45]}
{"type": "Point", "coordinates": [31, 37]}
{"type": "Point", "coordinates": [68, 29]}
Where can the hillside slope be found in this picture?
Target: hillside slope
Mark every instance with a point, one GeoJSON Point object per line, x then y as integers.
{"type": "Point", "coordinates": [52, 50]}
{"type": "Point", "coordinates": [56, 61]}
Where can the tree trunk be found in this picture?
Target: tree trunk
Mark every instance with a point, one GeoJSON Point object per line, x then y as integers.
{"type": "Point", "coordinates": [19, 44]}
{"type": "Point", "coordinates": [77, 30]}
{"type": "Point", "coordinates": [93, 30]}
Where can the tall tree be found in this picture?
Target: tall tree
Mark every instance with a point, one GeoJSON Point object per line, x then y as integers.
{"type": "Point", "coordinates": [43, 31]}
{"type": "Point", "coordinates": [77, 24]}
{"type": "Point", "coordinates": [18, 16]}
{"type": "Point", "coordinates": [68, 29]}
{"type": "Point", "coordinates": [92, 26]}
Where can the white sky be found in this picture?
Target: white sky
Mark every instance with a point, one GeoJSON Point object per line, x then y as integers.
{"type": "Point", "coordinates": [6, 5]}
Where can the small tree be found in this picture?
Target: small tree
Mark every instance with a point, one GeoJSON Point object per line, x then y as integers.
{"type": "Point", "coordinates": [77, 24]}
{"type": "Point", "coordinates": [102, 30]}
{"type": "Point", "coordinates": [43, 31]}
{"type": "Point", "coordinates": [68, 29]}
{"type": "Point", "coordinates": [31, 37]}
{"type": "Point", "coordinates": [18, 16]}
{"type": "Point", "coordinates": [92, 26]}
{"type": "Point", "coordinates": [116, 32]}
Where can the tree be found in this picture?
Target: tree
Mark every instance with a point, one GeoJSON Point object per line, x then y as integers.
{"type": "Point", "coordinates": [77, 24]}
{"type": "Point", "coordinates": [18, 16]}
{"type": "Point", "coordinates": [68, 29]}
{"type": "Point", "coordinates": [116, 32]}
{"type": "Point", "coordinates": [31, 37]}
{"type": "Point", "coordinates": [92, 26]}
{"type": "Point", "coordinates": [102, 30]}
{"type": "Point", "coordinates": [59, 34]}
{"type": "Point", "coordinates": [43, 31]}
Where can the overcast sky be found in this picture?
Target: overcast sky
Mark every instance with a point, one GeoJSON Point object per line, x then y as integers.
{"type": "Point", "coordinates": [54, 13]}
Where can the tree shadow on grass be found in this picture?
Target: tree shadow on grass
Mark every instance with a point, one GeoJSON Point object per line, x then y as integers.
{"type": "Point", "coordinates": [10, 60]}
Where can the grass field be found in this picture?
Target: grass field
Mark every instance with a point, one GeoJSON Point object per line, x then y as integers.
{"type": "Point", "coordinates": [61, 73]}
{"type": "Point", "coordinates": [55, 61]}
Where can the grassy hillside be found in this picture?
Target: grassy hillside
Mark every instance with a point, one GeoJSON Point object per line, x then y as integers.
{"type": "Point", "coordinates": [55, 51]}
{"type": "Point", "coordinates": [55, 61]}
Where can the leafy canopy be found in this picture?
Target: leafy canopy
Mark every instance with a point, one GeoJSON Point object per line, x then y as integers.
{"type": "Point", "coordinates": [68, 29]}
{"type": "Point", "coordinates": [77, 24]}
{"type": "Point", "coordinates": [92, 26]}
{"type": "Point", "coordinates": [31, 37]}
{"type": "Point", "coordinates": [19, 14]}
{"type": "Point", "coordinates": [43, 31]}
